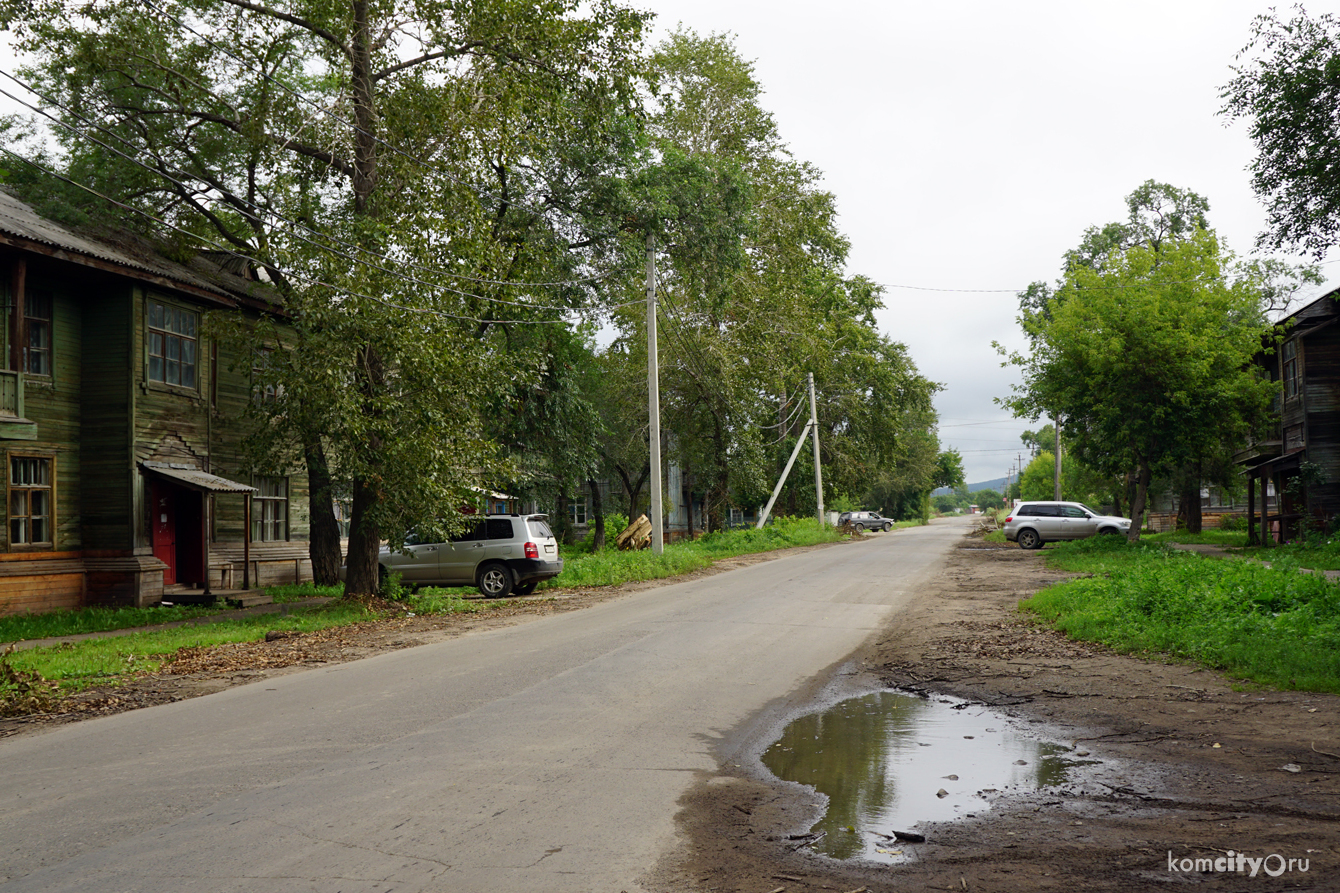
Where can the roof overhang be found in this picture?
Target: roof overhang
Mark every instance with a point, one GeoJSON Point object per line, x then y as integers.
{"type": "Point", "coordinates": [194, 478]}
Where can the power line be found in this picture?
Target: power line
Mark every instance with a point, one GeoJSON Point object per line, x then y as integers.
{"type": "Point", "coordinates": [478, 190]}
{"type": "Point", "coordinates": [260, 211]}
{"type": "Point", "coordinates": [298, 276]}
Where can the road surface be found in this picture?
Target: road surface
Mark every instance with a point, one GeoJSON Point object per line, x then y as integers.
{"type": "Point", "coordinates": [547, 756]}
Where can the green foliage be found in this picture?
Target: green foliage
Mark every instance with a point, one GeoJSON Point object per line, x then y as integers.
{"type": "Point", "coordinates": [1272, 625]}
{"type": "Point", "coordinates": [1233, 522]}
{"type": "Point", "coordinates": [53, 624]}
{"type": "Point", "coordinates": [615, 523]}
{"type": "Point", "coordinates": [1287, 88]}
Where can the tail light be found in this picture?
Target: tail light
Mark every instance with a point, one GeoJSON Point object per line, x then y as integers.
{"type": "Point", "coordinates": [1009, 519]}
{"type": "Point", "coordinates": [532, 550]}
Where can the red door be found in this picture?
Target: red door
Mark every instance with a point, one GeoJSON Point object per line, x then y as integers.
{"type": "Point", "coordinates": [164, 524]}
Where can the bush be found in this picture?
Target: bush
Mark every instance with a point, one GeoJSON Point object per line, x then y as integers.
{"type": "Point", "coordinates": [1233, 522]}
{"type": "Point", "coordinates": [614, 525]}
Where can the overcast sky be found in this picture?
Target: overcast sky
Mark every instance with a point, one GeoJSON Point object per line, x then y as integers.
{"type": "Point", "coordinates": [969, 145]}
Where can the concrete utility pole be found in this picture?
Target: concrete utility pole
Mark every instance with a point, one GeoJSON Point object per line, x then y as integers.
{"type": "Point", "coordinates": [1056, 482]}
{"type": "Point", "coordinates": [818, 468]}
{"type": "Point", "coordinates": [654, 403]}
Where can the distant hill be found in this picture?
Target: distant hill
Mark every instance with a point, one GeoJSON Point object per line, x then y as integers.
{"type": "Point", "coordinates": [996, 484]}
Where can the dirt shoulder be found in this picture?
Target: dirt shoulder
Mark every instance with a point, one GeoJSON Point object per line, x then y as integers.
{"type": "Point", "coordinates": [1198, 765]}
{"type": "Point", "coordinates": [208, 670]}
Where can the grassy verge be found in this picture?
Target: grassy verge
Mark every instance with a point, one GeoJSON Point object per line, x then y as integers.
{"type": "Point", "coordinates": [611, 567]}
{"type": "Point", "coordinates": [1234, 539]}
{"type": "Point", "coordinates": [1275, 626]}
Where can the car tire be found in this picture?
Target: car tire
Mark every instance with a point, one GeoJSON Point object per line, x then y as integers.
{"type": "Point", "coordinates": [860, 528]}
{"type": "Point", "coordinates": [888, 527]}
{"type": "Point", "coordinates": [1108, 531]}
{"type": "Point", "coordinates": [525, 588]}
{"type": "Point", "coordinates": [494, 580]}
{"type": "Point", "coordinates": [1029, 539]}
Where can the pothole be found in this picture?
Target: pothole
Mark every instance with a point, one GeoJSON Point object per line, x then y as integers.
{"type": "Point", "coordinates": [889, 761]}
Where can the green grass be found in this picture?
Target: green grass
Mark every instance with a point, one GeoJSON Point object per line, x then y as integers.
{"type": "Point", "coordinates": [996, 536]}
{"type": "Point", "coordinates": [611, 567]}
{"type": "Point", "coordinates": [1235, 539]}
{"type": "Point", "coordinates": [1275, 626]}
{"type": "Point", "coordinates": [19, 627]}
{"type": "Point", "coordinates": [78, 665]}
{"type": "Point", "coordinates": [1321, 553]}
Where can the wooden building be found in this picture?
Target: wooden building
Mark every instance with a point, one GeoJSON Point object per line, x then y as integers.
{"type": "Point", "coordinates": [119, 427]}
{"type": "Point", "coordinates": [1298, 462]}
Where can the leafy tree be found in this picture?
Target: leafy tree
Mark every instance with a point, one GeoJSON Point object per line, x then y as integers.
{"type": "Point", "coordinates": [1287, 87]}
{"type": "Point", "coordinates": [471, 146]}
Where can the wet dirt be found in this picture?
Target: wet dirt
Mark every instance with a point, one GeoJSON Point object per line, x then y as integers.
{"type": "Point", "coordinates": [1197, 768]}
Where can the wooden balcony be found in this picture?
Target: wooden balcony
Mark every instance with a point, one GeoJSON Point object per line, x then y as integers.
{"type": "Point", "coordinates": [1258, 453]}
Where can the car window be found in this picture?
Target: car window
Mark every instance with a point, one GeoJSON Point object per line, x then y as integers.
{"type": "Point", "coordinates": [1089, 510]}
{"type": "Point", "coordinates": [500, 528]}
{"type": "Point", "coordinates": [1027, 511]}
{"type": "Point", "coordinates": [473, 533]}
{"type": "Point", "coordinates": [1040, 511]}
{"type": "Point", "coordinates": [1071, 511]}
{"type": "Point", "coordinates": [539, 529]}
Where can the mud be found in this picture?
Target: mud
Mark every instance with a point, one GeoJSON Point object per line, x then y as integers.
{"type": "Point", "coordinates": [1196, 767]}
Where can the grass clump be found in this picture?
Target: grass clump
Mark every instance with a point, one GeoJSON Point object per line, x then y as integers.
{"type": "Point", "coordinates": [611, 567]}
{"type": "Point", "coordinates": [1277, 626]}
{"type": "Point", "coordinates": [20, 627]}
{"type": "Point", "coordinates": [1232, 539]}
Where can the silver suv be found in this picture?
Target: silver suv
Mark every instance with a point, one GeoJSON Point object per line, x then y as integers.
{"type": "Point", "coordinates": [1035, 523]}
{"type": "Point", "coordinates": [500, 554]}
{"type": "Point", "coordinates": [865, 520]}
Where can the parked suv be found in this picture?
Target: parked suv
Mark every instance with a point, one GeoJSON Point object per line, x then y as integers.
{"type": "Point", "coordinates": [1035, 523]}
{"type": "Point", "coordinates": [500, 554]}
{"type": "Point", "coordinates": [865, 520]}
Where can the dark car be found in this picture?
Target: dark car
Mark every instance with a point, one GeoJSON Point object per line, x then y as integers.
{"type": "Point", "coordinates": [865, 520]}
{"type": "Point", "coordinates": [500, 554]}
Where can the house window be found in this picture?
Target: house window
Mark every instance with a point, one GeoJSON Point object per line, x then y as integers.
{"type": "Point", "coordinates": [578, 512]}
{"type": "Point", "coordinates": [37, 321]}
{"type": "Point", "coordinates": [1289, 354]}
{"type": "Point", "coordinates": [30, 500]}
{"type": "Point", "coordinates": [269, 510]}
{"type": "Point", "coordinates": [263, 388]}
{"type": "Point", "coordinates": [172, 345]}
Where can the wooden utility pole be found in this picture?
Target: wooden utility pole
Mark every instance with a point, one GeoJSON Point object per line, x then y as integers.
{"type": "Point", "coordinates": [654, 403]}
{"type": "Point", "coordinates": [1056, 482]}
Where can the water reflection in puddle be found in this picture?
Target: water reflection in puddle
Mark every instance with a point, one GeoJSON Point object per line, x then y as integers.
{"type": "Point", "coordinates": [883, 758]}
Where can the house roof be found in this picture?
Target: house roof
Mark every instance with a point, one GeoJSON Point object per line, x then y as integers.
{"type": "Point", "coordinates": [195, 478]}
{"type": "Point", "coordinates": [127, 254]}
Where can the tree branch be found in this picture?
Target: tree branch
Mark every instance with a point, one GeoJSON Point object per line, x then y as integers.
{"type": "Point", "coordinates": [312, 27]}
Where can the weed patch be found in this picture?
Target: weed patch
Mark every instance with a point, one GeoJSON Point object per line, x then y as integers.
{"type": "Point", "coordinates": [1276, 626]}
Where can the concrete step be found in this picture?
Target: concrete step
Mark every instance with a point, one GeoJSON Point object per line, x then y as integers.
{"type": "Point", "coordinates": [248, 599]}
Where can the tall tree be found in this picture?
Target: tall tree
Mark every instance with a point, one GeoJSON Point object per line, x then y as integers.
{"type": "Point", "coordinates": [391, 166]}
{"type": "Point", "coordinates": [1287, 87]}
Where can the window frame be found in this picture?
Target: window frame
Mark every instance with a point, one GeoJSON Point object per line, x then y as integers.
{"type": "Point", "coordinates": [33, 323]}
{"type": "Point", "coordinates": [260, 505]}
{"type": "Point", "coordinates": [11, 488]}
{"type": "Point", "coordinates": [196, 340]}
{"type": "Point", "coordinates": [1289, 369]}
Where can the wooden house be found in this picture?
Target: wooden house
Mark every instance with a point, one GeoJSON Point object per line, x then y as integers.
{"type": "Point", "coordinates": [120, 424]}
{"type": "Point", "coordinates": [1298, 462]}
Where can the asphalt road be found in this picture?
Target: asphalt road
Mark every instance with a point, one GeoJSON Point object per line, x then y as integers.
{"type": "Point", "coordinates": [547, 756]}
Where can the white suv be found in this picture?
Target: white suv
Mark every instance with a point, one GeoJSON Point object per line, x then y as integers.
{"type": "Point", "coordinates": [1035, 523]}
{"type": "Point", "coordinates": [500, 554]}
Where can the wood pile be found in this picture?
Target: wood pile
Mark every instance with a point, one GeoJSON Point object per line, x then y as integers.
{"type": "Point", "coordinates": [635, 536]}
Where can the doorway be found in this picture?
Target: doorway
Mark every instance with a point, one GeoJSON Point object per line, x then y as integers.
{"type": "Point", "coordinates": [177, 527]}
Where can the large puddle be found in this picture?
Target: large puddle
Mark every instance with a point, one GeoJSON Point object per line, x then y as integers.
{"type": "Point", "coordinates": [888, 761]}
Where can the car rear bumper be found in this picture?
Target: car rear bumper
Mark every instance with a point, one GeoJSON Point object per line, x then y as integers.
{"type": "Point", "coordinates": [528, 569]}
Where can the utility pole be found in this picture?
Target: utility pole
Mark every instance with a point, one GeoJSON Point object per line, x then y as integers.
{"type": "Point", "coordinates": [1056, 481]}
{"type": "Point", "coordinates": [654, 403]}
{"type": "Point", "coordinates": [818, 468]}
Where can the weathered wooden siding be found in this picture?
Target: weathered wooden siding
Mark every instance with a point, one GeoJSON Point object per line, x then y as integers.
{"type": "Point", "coordinates": [54, 403]}
{"type": "Point", "coordinates": [106, 459]}
{"type": "Point", "coordinates": [1321, 370]}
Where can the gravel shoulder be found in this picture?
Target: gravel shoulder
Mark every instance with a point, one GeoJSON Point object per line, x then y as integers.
{"type": "Point", "coordinates": [1196, 764]}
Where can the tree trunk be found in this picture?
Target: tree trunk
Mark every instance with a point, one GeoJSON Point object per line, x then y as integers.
{"type": "Point", "coordinates": [633, 490]}
{"type": "Point", "coordinates": [686, 489]}
{"type": "Point", "coordinates": [1142, 477]}
{"type": "Point", "coordinates": [1189, 508]}
{"type": "Point", "coordinates": [721, 488]}
{"type": "Point", "coordinates": [324, 545]}
{"type": "Point", "coordinates": [364, 543]}
{"type": "Point", "coordinates": [598, 510]}
{"type": "Point", "coordinates": [562, 525]}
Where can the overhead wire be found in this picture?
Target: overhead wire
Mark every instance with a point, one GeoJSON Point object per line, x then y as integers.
{"type": "Point", "coordinates": [296, 94]}
{"type": "Point", "coordinates": [261, 211]}
{"type": "Point", "coordinates": [312, 280]}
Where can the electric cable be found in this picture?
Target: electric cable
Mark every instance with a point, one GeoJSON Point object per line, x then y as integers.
{"type": "Point", "coordinates": [259, 211]}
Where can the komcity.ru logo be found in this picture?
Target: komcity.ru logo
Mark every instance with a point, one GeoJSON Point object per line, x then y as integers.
{"type": "Point", "coordinates": [1273, 865]}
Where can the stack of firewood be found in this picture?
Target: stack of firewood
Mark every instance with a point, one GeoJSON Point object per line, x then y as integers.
{"type": "Point", "coordinates": [635, 536]}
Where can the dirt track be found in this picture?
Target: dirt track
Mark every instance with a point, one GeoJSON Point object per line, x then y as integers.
{"type": "Point", "coordinates": [1198, 765]}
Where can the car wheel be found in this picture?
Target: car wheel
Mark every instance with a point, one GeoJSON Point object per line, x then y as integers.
{"type": "Point", "coordinates": [525, 588]}
{"type": "Point", "coordinates": [860, 528]}
{"type": "Point", "coordinates": [1029, 539]}
{"type": "Point", "coordinates": [888, 527]}
{"type": "Point", "coordinates": [1108, 531]}
{"type": "Point", "coordinates": [495, 580]}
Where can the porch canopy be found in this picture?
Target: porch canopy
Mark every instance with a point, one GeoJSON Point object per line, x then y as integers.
{"type": "Point", "coordinates": [205, 483]}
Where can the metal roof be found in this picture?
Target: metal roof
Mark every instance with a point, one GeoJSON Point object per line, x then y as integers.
{"type": "Point", "coordinates": [195, 478]}
{"type": "Point", "coordinates": [128, 252]}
